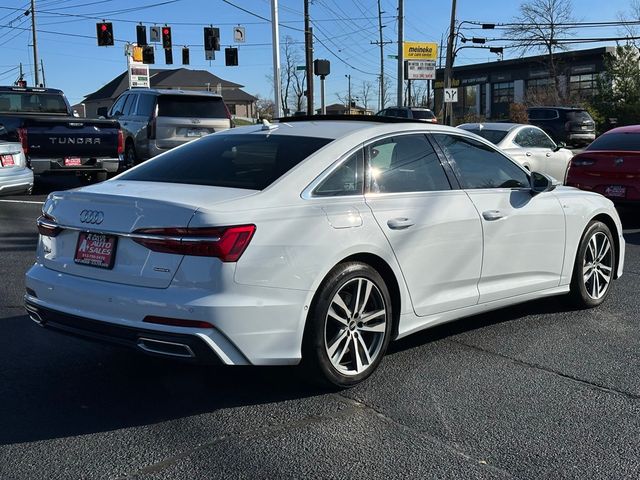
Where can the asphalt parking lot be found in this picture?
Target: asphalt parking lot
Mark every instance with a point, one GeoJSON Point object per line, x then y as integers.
{"type": "Point", "coordinates": [533, 391]}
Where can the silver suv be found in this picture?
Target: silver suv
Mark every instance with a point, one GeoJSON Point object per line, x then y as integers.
{"type": "Point", "coordinates": [154, 121]}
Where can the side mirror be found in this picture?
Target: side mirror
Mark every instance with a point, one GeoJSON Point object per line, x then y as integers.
{"type": "Point", "coordinates": [541, 183]}
{"type": "Point", "coordinates": [559, 145]}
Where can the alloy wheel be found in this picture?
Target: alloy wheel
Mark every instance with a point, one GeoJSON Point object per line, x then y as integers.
{"type": "Point", "coordinates": [597, 268]}
{"type": "Point", "coordinates": [355, 326]}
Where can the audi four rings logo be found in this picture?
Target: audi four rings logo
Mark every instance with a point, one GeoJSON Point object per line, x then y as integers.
{"type": "Point", "coordinates": [94, 217]}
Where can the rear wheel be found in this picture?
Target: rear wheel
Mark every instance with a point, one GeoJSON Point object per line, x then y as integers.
{"type": "Point", "coordinates": [594, 267]}
{"type": "Point", "coordinates": [349, 326]}
{"type": "Point", "coordinates": [130, 157]}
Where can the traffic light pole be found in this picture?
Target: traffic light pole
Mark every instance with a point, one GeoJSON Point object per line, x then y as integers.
{"type": "Point", "coordinates": [277, 109]}
{"type": "Point", "coordinates": [308, 54]}
{"type": "Point", "coordinates": [35, 44]}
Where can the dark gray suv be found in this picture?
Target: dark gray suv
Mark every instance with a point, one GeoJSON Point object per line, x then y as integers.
{"type": "Point", "coordinates": [573, 126]}
{"type": "Point", "coordinates": [154, 120]}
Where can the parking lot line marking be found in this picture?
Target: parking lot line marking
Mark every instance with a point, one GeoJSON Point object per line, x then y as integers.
{"type": "Point", "coordinates": [21, 201]}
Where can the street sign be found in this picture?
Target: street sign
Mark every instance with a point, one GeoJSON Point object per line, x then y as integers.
{"type": "Point", "coordinates": [238, 34]}
{"type": "Point", "coordinates": [392, 56]}
{"type": "Point", "coordinates": [450, 95]}
{"type": "Point", "coordinates": [421, 69]}
{"type": "Point", "coordinates": [420, 51]}
{"type": "Point", "coordinates": [301, 67]}
{"type": "Point", "coordinates": [138, 75]}
{"type": "Point", "coordinates": [154, 34]}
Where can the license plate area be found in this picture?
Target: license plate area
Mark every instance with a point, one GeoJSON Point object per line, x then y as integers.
{"type": "Point", "coordinates": [617, 191]}
{"type": "Point", "coordinates": [7, 161]}
{"type": "Point", "coordinates": [196, 132]}
{"type": "Point", "coordinates": [72, 161]}
{"type": "Point", "coordinates": [96, 250]}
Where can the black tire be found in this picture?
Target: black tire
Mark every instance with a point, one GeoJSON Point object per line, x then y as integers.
{"type": "Point", "coordinates": [101, 176]}
{"type": "Point", "coordinates": [351, 279]}
{"type": "Point", "coordinates": [130, 156]}
{"type": "Point", "coordinates": [589, 294]}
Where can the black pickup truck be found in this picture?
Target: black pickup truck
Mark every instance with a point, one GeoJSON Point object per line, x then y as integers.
{"type": "Point", "coordinates": [55, 141]}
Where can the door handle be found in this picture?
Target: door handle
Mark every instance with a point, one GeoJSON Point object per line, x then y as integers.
{"type": "Point", "coordinates": [492, 215]}
{"type": "Point", "coordinates": [400, 223]}
{"type": "Point", "coordinates": [528, 154]}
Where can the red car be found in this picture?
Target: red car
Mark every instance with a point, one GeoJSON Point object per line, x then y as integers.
{"type": "Point", "coordinates": [610, 165]}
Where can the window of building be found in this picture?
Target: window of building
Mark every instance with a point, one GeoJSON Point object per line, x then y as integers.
{"type": "Point", "coordinates": [583, 85]}
{"type": "Point", "coordinates": [470, 99]}
{"type": "Point", "coordinates": [502, 92]}
{"type": "Point", "coordinates": [537, 85]}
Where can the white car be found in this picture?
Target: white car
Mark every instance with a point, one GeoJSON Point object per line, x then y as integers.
{"type": "Point", "coordinates": [314, 240]}
{"type": "Point", "coordinates": [526, 144]}
{"type": "Point", "coordinates": [15, 176]}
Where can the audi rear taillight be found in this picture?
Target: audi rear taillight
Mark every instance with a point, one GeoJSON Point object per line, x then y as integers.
{"type": "Point", "coordinates": [22, 135]}
{"type": "Point", "coordinates": [120, 142]}
{"type": "Point", "coordinates": [225, 243]}
{"type": "Point", "coordinates": [47, 225]}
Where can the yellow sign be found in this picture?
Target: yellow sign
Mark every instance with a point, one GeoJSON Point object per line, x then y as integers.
{"type": "Point", "coordinates": [137, 54]}
{"type": "Point", "coordinates": [420, 51]}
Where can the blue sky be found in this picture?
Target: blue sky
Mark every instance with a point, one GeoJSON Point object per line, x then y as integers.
{"type": "Point", "coordinates": [346, 27]}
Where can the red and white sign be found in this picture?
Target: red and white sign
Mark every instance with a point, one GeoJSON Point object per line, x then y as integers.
{"type": "Point", "coordinates": [7, 160]}
{"type": "Point", "coordinates": [96, 249]}
{"type": "Point", "coordinates": [72, 161]}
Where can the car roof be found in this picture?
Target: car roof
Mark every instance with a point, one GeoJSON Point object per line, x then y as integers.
{"type": "Point", "coordinates": [29, 89]}
{"type": "Point", "coordinates": [335, 129]}
{"type": "Point", "coordinates": [625, 129]}
{"type": "Point", "coordinates": [170, 91]}
{"type": "Point", "coordinates": [555, 108]}
{"type": "Point", "coordinates": [505, 127]}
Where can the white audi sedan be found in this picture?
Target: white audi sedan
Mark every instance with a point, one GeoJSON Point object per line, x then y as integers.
{"type": "Point", "coordinates": [528, 145]}
{"type": "Point", "coordinates": [316, 241]}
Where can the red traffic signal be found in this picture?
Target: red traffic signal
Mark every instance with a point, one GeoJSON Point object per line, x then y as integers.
{"type": "Point", "coordinates": [104, 32]}
{"type": "Point", "coordinates": [166, 37]}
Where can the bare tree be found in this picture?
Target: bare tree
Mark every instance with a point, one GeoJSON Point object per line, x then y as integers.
{"type": "Point", "coordinates": [385, 93]}
{"type": "Point", "coordinates": [292, 80]}
{"type": "Point", "coordinates": [365, 92]}
{"type": "Point", "coordinates": [265, 107]}
{"type": "Point", "coordinates": [538, 27]}
{"type": "Point", "coordinates": [631, 29]}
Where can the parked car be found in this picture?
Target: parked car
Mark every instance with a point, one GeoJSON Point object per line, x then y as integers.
{"type": "Point", "coordinates": [610, 165]}
{"type": "Point", "coordinates": [416, 113]}
{"type": "Point", "coordinates": [529, 145]}
{"type": "Point", "coordinates": [317, 240]}
{"type": "Point", "coordinates": [155, 121]}
{"type": "Point", "coordinates": [15, 176]}
{"type": "Point", "coordinates": [571, 125]}
{"type": "Point", "coordinates": [53, 139]}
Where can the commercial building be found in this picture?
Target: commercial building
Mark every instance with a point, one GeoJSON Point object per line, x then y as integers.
{"type": "Point", "coordinates": [240, 103]}
{"type": "Point", "coordinates": [487, 89]}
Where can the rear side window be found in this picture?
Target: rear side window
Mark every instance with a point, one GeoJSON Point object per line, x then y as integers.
{"type": "Point", "coordinates": [621, 142]}
{"type": "Point", "coordinates": [423, 114]}
{"type": "Point", "coordinates": [579, 116]}
{"type": "Point", "coordinates": [480, 166]}
{"type": "Point", "coordinates": [146, 104]}
{"type": "Point", "coordinates": [494, 136]}
{"type": "Point", "coordinates": [251, 161]}
{"type": "Point", "coordinates": [191, 106]}
{"type": "Point", "coordinates": [347, 179]}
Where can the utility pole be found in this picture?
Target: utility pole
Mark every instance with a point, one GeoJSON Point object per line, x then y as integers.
{"type": "Point", "coordinates": [308, 50]}
{"type": "Point", "coordinates": [349, 103]}
{"type": "Point", "coordinates": [44, 81]}
{"type": "Point", "coordinates": [449, 64]}
{"type": "Point", "coordinates": [277, 109]}
{"type": "Point", "coordinates": [381, 43]}
{"type": "Point", "coordinates": [400, 51]}
{"type": "Point", "coordinates": [35, 43]}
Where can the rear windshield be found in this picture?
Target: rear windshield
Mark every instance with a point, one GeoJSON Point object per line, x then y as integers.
{"type": "Point", "coordinates": [251, 161]}
{"type": "Point", "coordinates": [191, 106]}
{"type": "Point", "coordinates": [622, 142]}
{"type": "Point", "coordinates": [579, 116]}
{"type": "Point", "coordinates": [32, 102]}
{"type": "Point", "coordinates": [494, 136]}
{"type": "Point", "coordinates": [423, 114]}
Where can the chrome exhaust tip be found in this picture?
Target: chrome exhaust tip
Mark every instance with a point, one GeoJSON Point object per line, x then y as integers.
{"type": "Point", "coordinates": [163, 347]}
{"type": "Point", "coordinates": [34, 315]}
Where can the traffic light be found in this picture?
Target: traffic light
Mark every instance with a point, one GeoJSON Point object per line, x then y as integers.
{"type": "Point", "coordinates": [166, 37]}
{"type": "Point", "coordinates": [168, 56]}
{"type": "Point", "coordinates": [148, 55]}
{"type": "Point", "coordinates": [141, 35]}
{"type": "Point", "coordinates": [104, 31]}
{"type": "Point", "coordinates": [185, 56]}
{"type": "Point", "coordinates": [136, 54]}
{"type": "Point", "coordinates": [211, 39]}
{"type": "Point", "coordinates": [231, 57]}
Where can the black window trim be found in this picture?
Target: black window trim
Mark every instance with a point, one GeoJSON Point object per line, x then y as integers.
{"type": "Point", "coordinates": [456, 169]}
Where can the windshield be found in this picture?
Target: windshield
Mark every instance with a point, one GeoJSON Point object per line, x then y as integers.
{"type": "Point", "coordinates": [32, 102]}
{"type": "Point", "coordinates": [250, 161]}
{"type": "Point", "coordinates": [619, 142]}
{"type": "Point", "coordinates": [423, 114]}
{"type": "Point", "coordinates": [494, 136]}
{"type": "Point", "coordinates": [194, 106]}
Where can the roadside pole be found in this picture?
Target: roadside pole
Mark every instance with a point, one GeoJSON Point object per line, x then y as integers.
{"type": "Point", "coordinates": [277, 110]}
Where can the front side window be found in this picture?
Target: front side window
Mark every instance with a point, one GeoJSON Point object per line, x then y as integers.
{"type": "Point", "coordinates": [539, 139]}
{"type": "Point", "coordinates": [146, 104]}
{"type": "Point", "coordinates": [347, 179]}
{"type": "Point", "coordinates": [407, 163]}
{"type": "Point", "coordinates": [251, 161]}
{"type": "Point", "coordinates": [479, 165]}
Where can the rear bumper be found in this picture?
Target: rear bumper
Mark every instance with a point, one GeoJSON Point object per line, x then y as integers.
{"type": "Point", "coordinates": [179, 346]}
{"type": "Point", "coordinates": [632, 191]}
{"type": "Point", "coordinates": [56, 165]}
{"type": "Point", "coordinates": [15, 181]}
{"type": "Point", "coordinates": [580, 137]}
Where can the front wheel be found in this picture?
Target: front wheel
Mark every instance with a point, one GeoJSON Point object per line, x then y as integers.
{"type": "Point", "coordinates": [594, 266]}
{"type": "Point", "coordinates": [349, 325]}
